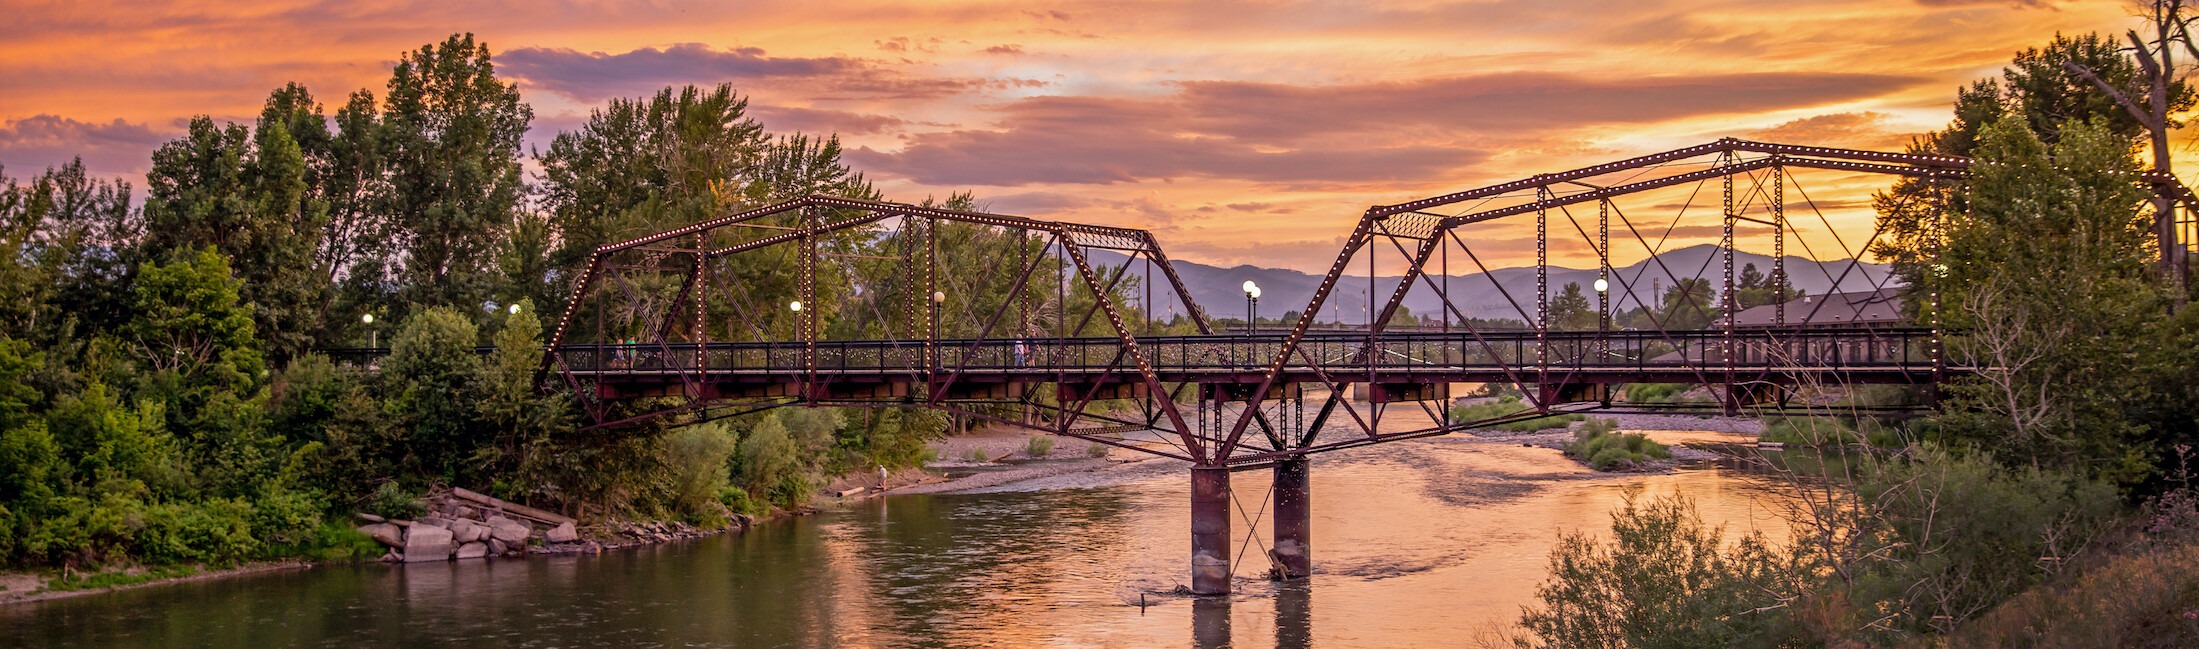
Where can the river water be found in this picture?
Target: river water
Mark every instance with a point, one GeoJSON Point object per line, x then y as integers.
{"type": "Point", "coordinates": [1421, 543]}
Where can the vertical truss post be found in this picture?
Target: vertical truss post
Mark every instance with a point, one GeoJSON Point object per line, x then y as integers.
{"type": "Point", "coordinates": [1937, 274]}
{"type": "Point", "coordinates": [1779, 242]}
{"type": "Point", "coordinates": [931, 288]}
{"type": "Point", "coordinates": [1603, 274]}
{"type": "Point", "coordinates": [1726, 298]}
{"type": "Point", "coordinates": [701, 337]}
{"type": "Point", "coordinates": [1542, 287]}
{"type": "Point", "coordinates": [805, 320]}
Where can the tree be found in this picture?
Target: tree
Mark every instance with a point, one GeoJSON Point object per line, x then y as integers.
{"type": "Point", "coordinates": [2050, 267]}
{"type": "Point", "coordinates": [2152, 102]}
{"type": "Point", "coordinates": [66, 255]}
{"type": "Point", "coordinates": [448, 150]}
{"type": "Point", "coordinates": [433, 380]}
{"type": "Point", "coordinates": [1570, 310]}
{"type": "Point", "coordinates": [2040, 88]}
{"type": "Point", "coordinates": [523, 419]}
{"type": "Point", "coordinates": [200, 358]}
{"type": "Point", "coordinates": [246, 196]}
{"type": "Point", "coordinates": [1688, 305]}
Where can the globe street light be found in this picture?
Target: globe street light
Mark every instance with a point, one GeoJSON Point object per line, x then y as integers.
{"type": "Point", "coordinates": [514, 309]}
{"type": "Point", "coordinates": [368, 319]}
{"type": "Point", "coordinates": [1252, 306]}
{"type": "Point", "coordinates": [795, 306]}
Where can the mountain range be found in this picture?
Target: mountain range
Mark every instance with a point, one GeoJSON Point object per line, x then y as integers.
{"type": "Point", "coordinates": [1478, 295]}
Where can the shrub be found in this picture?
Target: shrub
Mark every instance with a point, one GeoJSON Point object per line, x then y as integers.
{"type": "Point", "coordinates": [977, 455]}
{"type": "Point", "coordinates": [1096, 450]}
{"type": "Point", "coordinates": [1508, 406]}
{"type": "Point", "coordinates": [1665, 579]}
{"type": "Point", "coordinates": [697, 457]}
{"type": "Point", "coordinates": [2142, 600]}
{"type": "Point", "coordinates": [391, 500]}
{"type": "Point", "coordinates": [1038, 446]}
{"type": "Point", "coordinates": [738, 501]}
{"type": "Point", "coordinates": [1654, 392]}
{"type": "Point", "coordinates": [1598, 443]}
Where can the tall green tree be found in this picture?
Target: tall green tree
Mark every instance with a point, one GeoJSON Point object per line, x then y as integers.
{"type": "Point", "coordinates": [2049, 273]}
{"type": "Point", "coordinates": [448, 150]}
{"type": "Point", "coordinates": [247, 195]}
{"type": "Point", "coordinates": [193, 343]}
{"type": "Point", "coordinates": [1570, 311]}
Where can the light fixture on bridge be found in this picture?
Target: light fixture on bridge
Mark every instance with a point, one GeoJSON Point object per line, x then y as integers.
{"type": "Point", "coordinates": [939, 297]}
{"type": "Point", "coordinates": [368, 318]}
{"type": "Point", "coordinates": [796, 306]}
{"type": "Point", "coordinates": [1252, 306]}
{"type": "Point", "coordinates": [1602, 286]}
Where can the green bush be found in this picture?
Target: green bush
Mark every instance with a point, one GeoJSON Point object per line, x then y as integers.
{"type": "Point", "coordinates": [1655, 392]}
{"type": "Point", "coordinates": [391, 500]}
{"type": "Point", "coordinates": [2141, 600]}
{"type": "Point", "coordinates": [1598, 443]}
{"type": "Point", "coordinates": [1096, 450]}
{"type": "Point", "coordinates": [698, 457]}
{"type": "Point", "coordinates": [977, 455]}
{"type": "Point", "coordinates": [1664, 579]}
{"type": "Point", "coordinates": [1038, 446]}
{"type": "Point", "coordinates": [738, 501]}
{"type": "Point", "coordinates": [1508, 406]}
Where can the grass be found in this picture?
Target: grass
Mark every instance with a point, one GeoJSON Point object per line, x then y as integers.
{"type": "Point", "coordinates": [2148, 599]}
{"type": "Point", "coordinates": [82, 581]}
{"type": "Point", "coordinates": [977, 455]}
{"type": "Point", "coordinates": [1599, 443]}
{"type": "Point", "coordinates": [1822, 432]}
{"type": "Point", "coordinates": [333, 541]}
{"type": "Point", "coordinates": [1096, 450]}
{"type": "Point", "coordinates": [1655, 392]}
{"type": "Point", "coordinates": [1510, 405]}
{"type": "Point", "coordinates": [1038, 446]}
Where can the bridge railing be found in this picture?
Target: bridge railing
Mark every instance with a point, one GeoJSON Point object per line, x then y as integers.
{"type": "Point", "coordinates": [1392, 353]}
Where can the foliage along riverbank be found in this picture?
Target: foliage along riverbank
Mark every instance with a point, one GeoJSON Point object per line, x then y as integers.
{"type": "Point", "coordinates": [161, 402]}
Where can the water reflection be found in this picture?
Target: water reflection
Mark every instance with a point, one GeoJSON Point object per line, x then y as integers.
{"type": "Point", "coordinates": [1421, 543]}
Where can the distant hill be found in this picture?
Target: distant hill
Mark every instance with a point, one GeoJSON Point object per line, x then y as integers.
{"type": "Point", "coordinates": [1219, 289]}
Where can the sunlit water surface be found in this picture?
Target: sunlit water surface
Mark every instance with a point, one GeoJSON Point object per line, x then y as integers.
{"type": "Point", "coordinates": [1421, 543]}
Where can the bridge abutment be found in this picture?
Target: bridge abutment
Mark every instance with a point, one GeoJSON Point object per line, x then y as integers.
{"type": "Point", "coordinates": [1210, 530]}
{"type": "Point", "coordinates": [1293, 526]}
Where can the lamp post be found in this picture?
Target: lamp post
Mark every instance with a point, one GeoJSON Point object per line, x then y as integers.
{"type": "Point", "coordinates": [939, 299]}
{"type": "Point", "coordinates": [368, 320]}
{"type": "Point", "coordinates": [1252, 307]}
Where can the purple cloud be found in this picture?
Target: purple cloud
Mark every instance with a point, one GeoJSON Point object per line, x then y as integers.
{"type": "Point", "coordinates": [31, 144]}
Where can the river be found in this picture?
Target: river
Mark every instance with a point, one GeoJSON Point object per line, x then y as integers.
{"type": "Point", "coordinates": [1420, 543]}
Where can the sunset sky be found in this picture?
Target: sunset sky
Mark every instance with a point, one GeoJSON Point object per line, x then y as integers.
{"type": "Point", "coordinates": [1241, 132]}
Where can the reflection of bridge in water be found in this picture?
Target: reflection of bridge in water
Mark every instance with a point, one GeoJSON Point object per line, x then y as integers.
{"type": "Point", "coordinates": [834, 302]}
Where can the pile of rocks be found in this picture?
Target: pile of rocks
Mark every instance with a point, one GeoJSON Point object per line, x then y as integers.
{"type": "Point", "coordinates": [463, 524]}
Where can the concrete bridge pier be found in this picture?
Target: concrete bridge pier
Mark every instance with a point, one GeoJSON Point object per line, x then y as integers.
{"type": "Point", "coordinates": [1209, 530]}
{"type": "Point", "coordinates": [1293, 526]}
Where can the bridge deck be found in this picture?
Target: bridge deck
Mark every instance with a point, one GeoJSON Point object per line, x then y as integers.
{"type": "Point", "coordinates": [1833, 356]}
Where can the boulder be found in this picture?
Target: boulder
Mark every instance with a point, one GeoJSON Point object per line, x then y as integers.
{"type": "Point", "coordinates": [424, 543]}
{"type": "Point", "coordinates": [385, 534]}
{"type": "Point", "coordinates": [498, 548]}
{"type": "Point", "coordinates": [436, 521]}
{"type": "Point", "coordinates": [370, 518]}
{"type": "Point", "coordinates": [473, 550]}
{"type": "Point", "coordinates": [463, 511]}
{"type": "Point", "coordinates": [508, 530]}
{"type": "Point", "coordinates": [563, 533]}
{"type": "Point", "coordinates": [465, 531]}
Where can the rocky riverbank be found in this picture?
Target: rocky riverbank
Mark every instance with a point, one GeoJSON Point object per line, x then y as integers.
{"type": "Point", "coordinates": [463, 524]}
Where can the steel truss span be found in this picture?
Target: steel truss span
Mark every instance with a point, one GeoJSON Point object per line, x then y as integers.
{"type": "Point", "coordinates": [824, 301]}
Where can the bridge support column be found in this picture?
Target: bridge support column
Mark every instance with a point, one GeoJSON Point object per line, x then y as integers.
{"type": "Point", "coordinates": [1293, 552]}
{"type": "Point", "coordinates": [1209, 530]}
